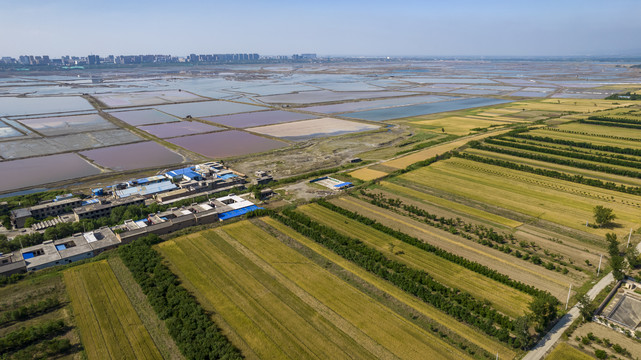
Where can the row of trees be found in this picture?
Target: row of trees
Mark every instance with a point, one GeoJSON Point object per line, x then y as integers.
{"type": "Point", "coordinates": [458, 304]}
{"type": "Point", "coordinates": [591, 134]}
{"type": "Point", "coordinates": [553, 174]}
{"type": "Point", "coordinates": [24, 337]}
{"type": "Point", "coordinates": [28, 311]}
{"type": "Point", "coordinates": [478, 233]}
{"type": "Point", "coordinates": [600, 157]}
{"type": "Point", "coordinates": [625, 96]}
{"type": "Point", "coordinates": [196, 335]}
{"type": "Point", "coordinates": [572, 163]}
{"type": "Point", "coordinates": [621, 124]}
{"type": "Point", "coordinates": [579, 144]}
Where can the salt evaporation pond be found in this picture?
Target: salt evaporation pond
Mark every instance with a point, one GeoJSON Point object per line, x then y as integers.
{"type": "Point", "coordinates": [143, 117]}
{"type": "Point", "coordinates": [17, 174]}
{"type": "Point", "coordinates": [529, 94]}
{"type": "Point", "coordinates": [307, 129]}
{"type": "Point", "coordinates": [311, 97]}
{"type": "Point", "coordinates": [179, 129]}
{"type": "Point", "coordinates": [61, 125]}
{"type": "Point", "coordinates": [258, 118]}
{"type": "Point", "coordinates": [133, 156]}
{"type": "Point", "coordinates": [12, 106]}
{"type": "Point", "coordinates": [7, 132]}
{"type": "Point", "coordinates": [146, 98]}
{"type": "Point", "coordinates": [377, 104]}
{"type": "Point", "coordinates": [207, 108]}
{"type": "Point", "coordinates": [475, 92]}
{"type": "Point", "coordinates": [226, 144]}
{"type": "Point", "coordinates": [433, 80]}
{"type": "Point", "coordinates": [424, 109]}
{"type": "Point", "coordinates": [64, 143]}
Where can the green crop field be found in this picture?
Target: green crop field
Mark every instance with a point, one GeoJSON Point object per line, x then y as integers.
{"type": "Point", "coordinates": [109, 326]}
{"type": "Point", "coordinates": [558, 201]}
{"type": "Point", "coordinates": [505, 299]}
{"type": "Point", "coordinates": [282, 305]}
{"type": "Point", "coordinates": [459, 329]}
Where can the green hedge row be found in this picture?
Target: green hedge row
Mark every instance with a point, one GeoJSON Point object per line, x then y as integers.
{"type": "Point", "coordinates": [196, 335]}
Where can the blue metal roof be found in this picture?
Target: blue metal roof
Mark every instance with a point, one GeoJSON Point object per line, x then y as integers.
{"type": "Point", "coordinates": [90, 201]}
{"type": "Point", "coordinates": [188, 172]}
{"type": "Point", "coordinates": [227, 176]}
{"type": "Point", "coordinates": [342, 185]}
{"type": "Point", "coordinates": [238, 212]}
{"type": "Point", "coordinates": [61, 247]}
{"type": "Point", "coordinates": [27, 255]}
{"type": "Point", "coordinates": [146, 189]}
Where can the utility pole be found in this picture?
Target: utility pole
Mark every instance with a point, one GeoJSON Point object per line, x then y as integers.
{"type": "Point", "coordinates": [599, 269]}
{"type": "Point", "coordinates": [629, 236]}
{"type": "Point", "coordinates": [568, 300]}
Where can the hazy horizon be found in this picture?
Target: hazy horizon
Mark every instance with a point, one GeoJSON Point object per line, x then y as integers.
{"type": "Point", "coordinates": [358, 28]}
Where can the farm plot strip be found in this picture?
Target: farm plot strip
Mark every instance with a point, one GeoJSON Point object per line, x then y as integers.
{"type": "Point", "coordinates": [465, 331]}
{"type": "Point", "coordinates": [264, 279]}
{"type": "Point", "coordinates": [519, 270]}
{"type": "Point", "coordinates": [530, 194]}
{"type": "Point", "coordinates": [505, 299]}
{"type": "Point", "coordinates": [109, 326]}
{"type": "Point", "coordinates": [451, 205]}
{"type": "Point", "coordinates": [398, 336]}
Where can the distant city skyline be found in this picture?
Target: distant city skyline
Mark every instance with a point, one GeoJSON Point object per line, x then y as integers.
{"type": "Point", "coordinates": [329, 28]}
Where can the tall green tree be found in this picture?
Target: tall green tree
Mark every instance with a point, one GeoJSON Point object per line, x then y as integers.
{"type": "Point", "coordinates": [586, 308]}
{"type": "Point", "coordinates": [543, 309]}
{"type": "Point", "coordinates": [616, 260]}
{"type": "Point", "coordinates": [603, 216]}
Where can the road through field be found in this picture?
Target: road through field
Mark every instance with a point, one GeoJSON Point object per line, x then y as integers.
{"type": "Point", "coordinates": [547, 343]}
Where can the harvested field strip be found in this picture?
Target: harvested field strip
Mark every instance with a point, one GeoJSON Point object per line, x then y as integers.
{"type": "Point", "coordinates": [566, 105]}
{"type": "Point", "coordinates": [405, 161]}
{"type": "Point", "coordinates": [270, 319]}
{"type": "Point", "coordinates": [563, 351]}
{"type": "Point", "coordinates": [575, 149]}
{"type": "Point", "coordinates": [503, 298]}
{"type": "Point", "coordinates": [601, 130]}
{"type": "Point", "coordinates": [519, 270]}
{"type": "Point", "coordinates": [240, 288]}
{"type": "Point", "coordinates": [576, 163]}
{"type": "Point", "coordinates": [367, 174]}
{"type": "Point", "coordinates": [409, 223]}
{"type": "Point", "coordinates": [554, 200]}
{"type": "Point", "coordinates": [586, 138]}
{"type": "Point", "coordinates": [463, 330]}
{"type": "Point", "coordinates": [109, 326]}
{"type": "Point", "coordinates": [619, 179]}
{"type": "Point", "coordinates": [450, 205]}
{"type": "Point", "coordinates": [402, 338]}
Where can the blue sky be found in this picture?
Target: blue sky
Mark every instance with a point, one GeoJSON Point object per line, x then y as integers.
{"type": "Point", "coordinates": [378, 28]}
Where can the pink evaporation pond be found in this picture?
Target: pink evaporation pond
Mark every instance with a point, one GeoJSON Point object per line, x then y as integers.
{"type": "Point", "coordinates": [179, 129]}
{"type": "Point", "coordinates": [258, 118]}
{"type": "Point", "coordinates": [133, 156]}
{"type": "Point", "coordinates": [143, 117]}
{"type": "Point", "coordinates": [18, 174]}
{"type": "Point", "coordinates": [226, 144]}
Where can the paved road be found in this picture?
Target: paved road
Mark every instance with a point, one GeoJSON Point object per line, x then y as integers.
{"type": "Point", "coordinates": [554, 335]}
{"type": "Point", "coordinates": [550, 339]}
